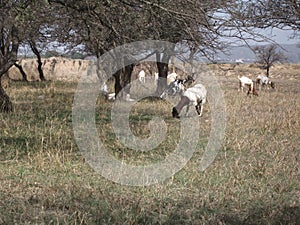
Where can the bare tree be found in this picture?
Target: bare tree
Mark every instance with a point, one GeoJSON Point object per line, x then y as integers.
{"type": "Point", "coordinates": [23, 73]}
{"type": "Point", "coordinates": [104, 25]}
{"type": "Point", "coordinates": [267, 56]}
{"type": "Point", "coordinates": [37, 53]}
{"type": "Point", "coordinates": [9, 44]}
{"type": "Point", "coordinates": [17, 21]}
{"type": "Point", "coordinates": [283, 13]}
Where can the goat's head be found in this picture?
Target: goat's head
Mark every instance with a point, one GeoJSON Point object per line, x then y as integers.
{"type": "Point", "coordinates": [188, 81]}
{"type": "Point", "coordinates": [258, 81]}
{"type": "Point", "coordinates": [272, 84]}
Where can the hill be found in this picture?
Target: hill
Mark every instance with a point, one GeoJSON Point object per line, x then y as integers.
{"type": "Point", "coordinates": [245, 54]}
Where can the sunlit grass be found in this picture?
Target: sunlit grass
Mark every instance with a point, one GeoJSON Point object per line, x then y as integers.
{"type": "Point", "coordinates": [255, 178]}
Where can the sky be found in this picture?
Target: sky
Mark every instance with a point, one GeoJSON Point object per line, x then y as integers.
{"type": "Point", "coordinates": [283, 36]}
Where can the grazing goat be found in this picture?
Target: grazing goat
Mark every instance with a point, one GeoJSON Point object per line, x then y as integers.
{"type": "Point", "coordinates": [177, 87]}
{"type": "Point", "coordinates": [263, 80]}
{"type": "Point", "coordinates": [142, 76]}
{"type": "Point", "coordinates": [245, 81]}
{"type": "Point", "coordinates": [196, 96]}
{"type": "Point", "coordinates": [171, 77]}
{"type": "Point", "coordinates": [104, 91]}
{"type": "Point", "coordinates": [155, 77]}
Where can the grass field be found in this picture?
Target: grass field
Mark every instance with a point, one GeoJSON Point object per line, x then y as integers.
{"type": "Point", "coordinates": [255, 178]}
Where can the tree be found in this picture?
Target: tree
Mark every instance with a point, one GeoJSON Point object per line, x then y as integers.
{"type": "Point", "coordinates": [101, 26]}
{"type": "Point", "coordinates": [282, 13]}
{"type": "Point", "coordinates": [35, 50]}
{"type": "Point", "coordinates": [23, 73]}
{"type": "Point", "coordinates": [267, 56]}
{"type": "Point", "coordinates": [17, 20]}
{"type": "Point", "coordinates": [9, 44]}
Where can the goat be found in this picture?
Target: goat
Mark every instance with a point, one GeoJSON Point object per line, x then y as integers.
{"type": "Point", "coordinates": [245, 81]}
{"type": "Point", "coordinates": [177, 87]}
{"type": "Point", "coordinates": [171, 77]}
{"type": "Point", "coordinates": [104, 91]}
{"type": "Point", "coordinates": [142, 76]}
{"type": "Point", "coordinates": [196, 96]}
{"type": "Point", "coordinates": [263, 80]}
{"type": "Point", "coordinates": [155, 77]}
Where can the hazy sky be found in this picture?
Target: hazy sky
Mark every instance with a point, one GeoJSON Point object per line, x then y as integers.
{"type": "Point", "coordinates": [283, 36]}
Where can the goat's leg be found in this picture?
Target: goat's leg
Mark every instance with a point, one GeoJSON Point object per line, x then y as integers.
{"type": "Point", "coordinates": [199, 108]}
{"type": "Point", "coordinates": [187, 110]}
{"type": "Point", "coordinates": [250, 89]}
{"type": "Point", "coordinates": [240, 86]}
{"type": "Point", "coordinates": [258, 84]}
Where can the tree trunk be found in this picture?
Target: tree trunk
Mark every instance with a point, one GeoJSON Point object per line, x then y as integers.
{"type": "Point", "coordinates": [127, 78]}
{"type": "Point", "coordinates": [118, 86]}
{"type": "Point", "coordinates": [162, 81]}
{"type": "Point", "coordinates": [39, 60]}
{"type": "Point", "coordinates": [40, 69]}
{"type": "Point", "coordinates": [24, 75]}
{"type": "Point", "coordinates": [8, 57]}
{"type": "Point", "coordinates": [268, 71]}
{"type": "Point", "coordinates": [162, 62]}
{"type": "Point", "coordinates": [123, 79]}
{"type": "Point", "coordinates": [5, 103]}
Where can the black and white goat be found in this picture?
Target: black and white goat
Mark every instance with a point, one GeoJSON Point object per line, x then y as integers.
{"type": "Point", "coordinates": [196, 96]}
{"type": "Point", "coordinates": [263, 80]}
{"type": "Point", "coordinates": [245, 81]}
{"type": "Point", "coordinates": [175, 87]}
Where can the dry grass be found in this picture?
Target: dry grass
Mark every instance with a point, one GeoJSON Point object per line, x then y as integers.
{"type": "Point", "coordinates": [255, 178]}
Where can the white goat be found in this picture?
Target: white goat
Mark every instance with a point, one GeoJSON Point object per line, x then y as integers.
{"type": "Point", "coordinates": [155, 77]}
{"type": "Point", "coordinates": [104, 91]}
{"type": "Point", "coordinates": [263, 80]}
{"type": "Point", "coordinates": [142, 76]}
{"type": "Point", "coordinates": [245, 81]}
{"type": "Point", "coordinates": [196, 96]}
{"type": "Point", "coordinates": [171, 77]}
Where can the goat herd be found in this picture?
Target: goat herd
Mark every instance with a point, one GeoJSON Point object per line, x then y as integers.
{"type": "Point", "coordinates": [192, 93]}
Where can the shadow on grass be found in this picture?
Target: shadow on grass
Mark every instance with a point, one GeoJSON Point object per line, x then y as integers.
{"type": "Point", "coordinates": [12, 147]}
{"type": "Point", "coordinates": [63, 206]}
{"type": "Point", "coordinates": [260, 215]}
{"type": "Point", "coordinates": [187, 213]}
